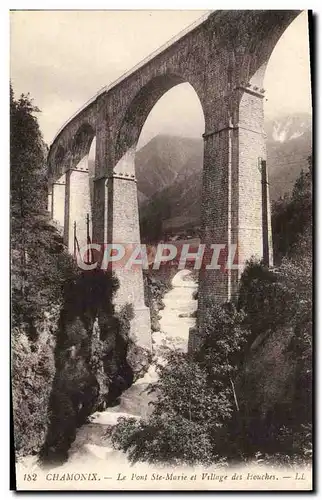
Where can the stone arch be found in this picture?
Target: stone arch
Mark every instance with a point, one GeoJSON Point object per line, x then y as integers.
{"type": "Point", "coordinates": [91, 159]}
{"type": "Point", "coordinates": [139, 109]}
{"type": "Point", "coordinates": [82, 140]}
{"type": "Point", "coordinates": [58, 160]}
{"type": "Point", "coordinates": [78, 219]}
{"type": "Point", "coordinates": [59, 156]}
{"type": "Point", "coordinates": [250, 113]}
{"type": "Point", "coordinates": [262, 42]}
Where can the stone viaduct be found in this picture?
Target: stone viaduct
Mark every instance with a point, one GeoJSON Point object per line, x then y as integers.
{"type": "Point", "coordinates": [223, 56]}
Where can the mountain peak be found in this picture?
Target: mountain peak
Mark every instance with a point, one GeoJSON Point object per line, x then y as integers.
{"type": "Point", "coordinates": [288, 127]}
{"type": "Point", "coordinates": [169, 170]}
{"type": "Point", "coordinates": [160, 161]}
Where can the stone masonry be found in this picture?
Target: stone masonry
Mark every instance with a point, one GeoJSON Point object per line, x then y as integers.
{"type": "Point", "coordinates": [223, 57]}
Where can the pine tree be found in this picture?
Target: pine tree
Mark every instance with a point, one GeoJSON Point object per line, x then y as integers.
{"type": "Point", "coordinates": [40, 265]}
{"type": "Point", "coordinates": [292, 217]}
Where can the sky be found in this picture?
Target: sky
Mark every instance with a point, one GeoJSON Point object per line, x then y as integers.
{"type": "Point", "coordinates": [62, 58]}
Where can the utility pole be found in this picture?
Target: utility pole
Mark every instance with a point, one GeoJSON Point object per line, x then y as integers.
{"type": "Point", "coordinates": [75, 240]}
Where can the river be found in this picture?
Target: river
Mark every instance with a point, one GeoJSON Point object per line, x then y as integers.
{"type": "Point", "coordinates": [92, 448]}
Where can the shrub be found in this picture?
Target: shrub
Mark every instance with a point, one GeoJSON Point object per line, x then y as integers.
{"type": "Point", "coordinates": [195, 399]}
{"type": "Point", "coordinates": [154, 291]}
{"type": "Point", "coordinates": [279, 302]}
{"type": "Point", "coordinates": [198, 416]}
{"type": "Point", "coordinates": [186, 420]}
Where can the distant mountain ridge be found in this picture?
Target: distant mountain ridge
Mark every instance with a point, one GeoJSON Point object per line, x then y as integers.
{"type": "Point", "coordinates": [160, 162]}
{"type": "Point", "coordinates": [289, 143]}
{"type": "Point", "coordinates": [169, 170]}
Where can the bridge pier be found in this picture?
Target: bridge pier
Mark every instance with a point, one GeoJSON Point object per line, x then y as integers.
{"type": "Point", "coordinates": [116, 220]}
{"type": "Point", "coordinates": [58, 200]}
{"type": "Point", "coordinates": [123, 227]}
{"type": "Point", "coordinates": [77, 205]}
{"type": "Point", "coordinates": [235, 206]}
{"type": "Point", "coordinates": [50, 200]}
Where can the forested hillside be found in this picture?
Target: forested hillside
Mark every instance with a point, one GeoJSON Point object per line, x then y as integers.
{"type": "Point", "coordinates": [169, 173]}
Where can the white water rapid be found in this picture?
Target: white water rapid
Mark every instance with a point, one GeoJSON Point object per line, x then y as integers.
{"type": "Point", "coordinates": [91, 448]}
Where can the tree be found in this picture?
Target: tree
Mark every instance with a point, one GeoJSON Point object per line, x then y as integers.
{"type": "Point", "coordinates": [195, 399]}
{"type": "Point", "coordinates": [224, 336]}
{"type": "Point", "coordinates": [278, 306]}
{"type": "Point", "coordinates": [185, 418]}
{"type": "Point", "coordinates": [40, 264]}
{"type": "Point", "coordinates": [292, 216]}
{"type": "Point", "coordinates": [55, 310]}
